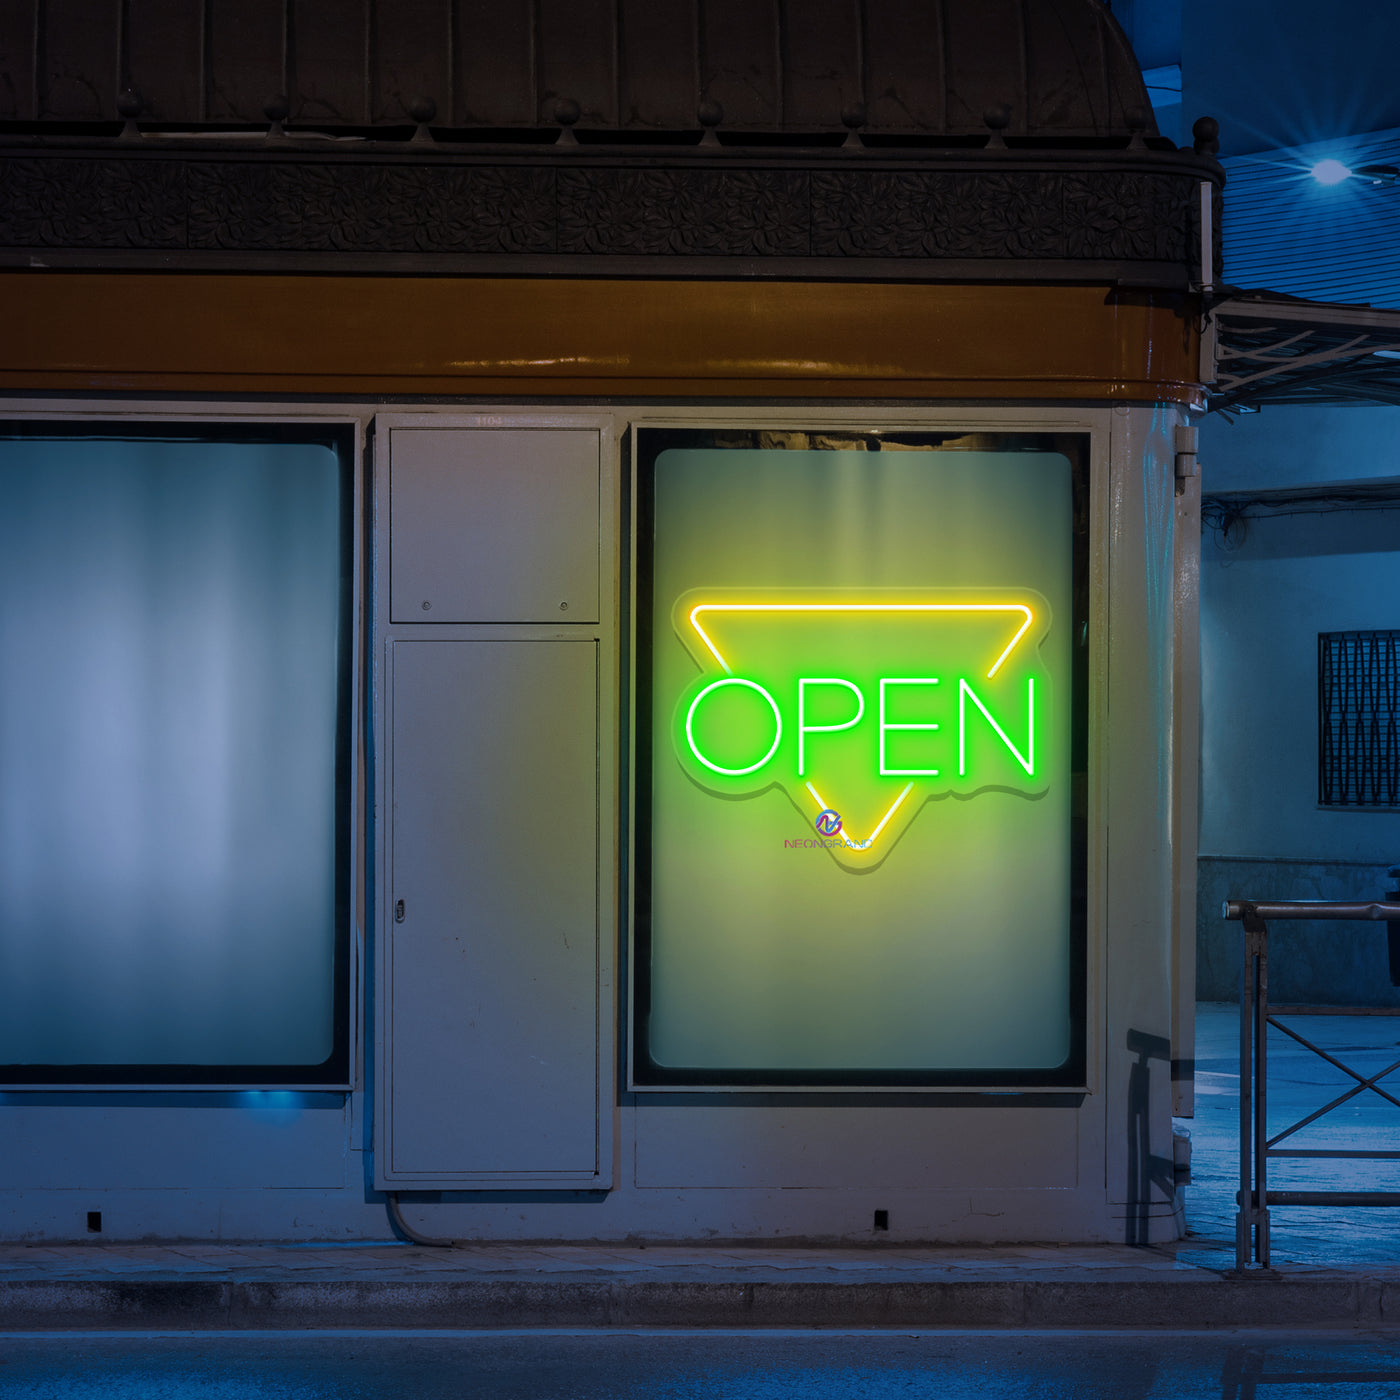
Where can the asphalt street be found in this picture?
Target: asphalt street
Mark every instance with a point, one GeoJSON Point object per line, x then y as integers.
{"type": "Point", "coordinates": [711, 1365]}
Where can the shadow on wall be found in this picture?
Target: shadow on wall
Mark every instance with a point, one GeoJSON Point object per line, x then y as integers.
{"type": "Point", "coordinates": [1145, 1170]}
{"type": "Point", "coordinates": [1323, 963]}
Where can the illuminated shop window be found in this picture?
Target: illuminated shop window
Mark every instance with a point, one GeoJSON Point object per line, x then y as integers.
{"type": "Point", "coordinates": [861, 755]}
{"type": "Point", "coordinates": [174, 754]}
{"type": "Point", "coordinates": [1358, 711]}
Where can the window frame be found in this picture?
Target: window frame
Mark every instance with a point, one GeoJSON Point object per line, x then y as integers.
{"type": "Point", "coordinates": [346, 432]}
{"type": "Point", "coordinates": [644, 1076]}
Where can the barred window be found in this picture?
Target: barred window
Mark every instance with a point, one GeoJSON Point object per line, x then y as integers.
{"type": "Point", "coordinates": [1358, 711]}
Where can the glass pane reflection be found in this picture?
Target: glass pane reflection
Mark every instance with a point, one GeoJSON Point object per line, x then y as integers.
{"type": "Point", "coordinates": [170, 625]}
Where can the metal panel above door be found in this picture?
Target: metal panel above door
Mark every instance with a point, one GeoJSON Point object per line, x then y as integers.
{"type": "Point", "coordinates": [494, 524]}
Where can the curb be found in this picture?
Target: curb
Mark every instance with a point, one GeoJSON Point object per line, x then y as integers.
{"type": "Point", "coordinates": [1260, 1300]}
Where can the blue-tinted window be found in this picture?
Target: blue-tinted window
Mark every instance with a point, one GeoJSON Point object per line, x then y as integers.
{"type": "Point", "coordinates": [174, 732]}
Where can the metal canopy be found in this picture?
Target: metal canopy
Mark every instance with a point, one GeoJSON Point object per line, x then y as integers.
{"type": "Point", "coordinates": [1277, 349]}
{"type": "Point", "coordinates": [929, 69]}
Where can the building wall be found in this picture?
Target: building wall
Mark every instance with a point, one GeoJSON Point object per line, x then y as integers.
{"type": "Point", "coordinates": [1266, 592]}
{"type": "Point", "coordinates": [1071, 1165]}
{"type": "Point", "coordinates": [1300, 445]}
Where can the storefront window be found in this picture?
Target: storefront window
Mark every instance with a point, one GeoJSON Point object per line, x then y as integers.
{"type": "Point", "coordinates": [861, 756]}
{"type": "Point", "coordinates": [175, 644]}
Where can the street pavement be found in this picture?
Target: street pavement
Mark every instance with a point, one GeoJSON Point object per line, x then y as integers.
{"type": "Point", "coordinates": [841, 1365]}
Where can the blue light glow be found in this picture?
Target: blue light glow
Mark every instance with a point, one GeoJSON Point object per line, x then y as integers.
{"type": "Point", "coordinates": [271, 1098]}
{"type": "Point", "coordinates": [1330, 172]}
{"type": "Point", "coordinates": [1318, 221]}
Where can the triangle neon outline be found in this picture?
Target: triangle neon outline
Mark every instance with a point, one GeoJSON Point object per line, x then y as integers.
{"type": "Point", "coordinates": [863, 607]}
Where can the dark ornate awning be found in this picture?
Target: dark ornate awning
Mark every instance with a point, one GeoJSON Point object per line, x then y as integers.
{"type": "Point", "coordinates": [938, 140]}
{"type": "Point", "coordinates": [1276, 349]}
{"type": "Point", "coordinates": [666, 69]}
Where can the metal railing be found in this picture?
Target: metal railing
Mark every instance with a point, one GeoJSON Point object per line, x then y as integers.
{"type": "Point", "coordinates": [1256, 1147]}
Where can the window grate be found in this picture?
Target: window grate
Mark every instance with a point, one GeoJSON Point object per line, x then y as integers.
{"type": "Point", "coordinates": [1358, 713]}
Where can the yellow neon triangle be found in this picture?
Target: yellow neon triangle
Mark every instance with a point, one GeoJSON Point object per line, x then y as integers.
{"type": "Point", "coordinates": [1027, 621]}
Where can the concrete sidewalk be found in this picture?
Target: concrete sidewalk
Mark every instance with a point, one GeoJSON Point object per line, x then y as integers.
{"type": "Point", "coordinates": [1332, 1268]}
{"type": "Point", "coordinates": [401, 1286]}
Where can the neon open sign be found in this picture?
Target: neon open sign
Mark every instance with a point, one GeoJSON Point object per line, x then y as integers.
{"type": "Point", "coordinates": [866, 704]}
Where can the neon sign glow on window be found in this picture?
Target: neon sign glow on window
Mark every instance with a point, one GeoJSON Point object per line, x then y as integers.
{"type": "Point", "coordinates": [794, 673]}
{"type": "Point", "coordinates": [860, 760]}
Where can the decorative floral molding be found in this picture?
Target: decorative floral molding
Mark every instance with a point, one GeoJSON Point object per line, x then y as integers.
{"type": "Point", "coordinates": [187, 204]}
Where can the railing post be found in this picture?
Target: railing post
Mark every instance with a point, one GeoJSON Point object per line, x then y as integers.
{"type": "Point", "coordinates": [1243, 1217]}
{"type": "Point", "coordinates": [1253, 1215]}
{"type": "Point", "coordinates": [1260, 937]}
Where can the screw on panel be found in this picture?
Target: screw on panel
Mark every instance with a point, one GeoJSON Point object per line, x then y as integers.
{"type": "Point", "coordinates": [427, 606]}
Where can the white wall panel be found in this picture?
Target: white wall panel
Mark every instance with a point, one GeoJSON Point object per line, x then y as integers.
{"type": "Point", "coordinates": [494, 524]}
{"type": "Point", "coordinates": [492, 969]}
{"type": "Point", "coordinates": [120, 1147]}
{"type": "Point", "coordinates": [932, 1146]}
{"type": "Point", "coordinates": [496, 828]}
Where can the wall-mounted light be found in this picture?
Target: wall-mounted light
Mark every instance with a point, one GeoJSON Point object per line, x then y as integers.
{"type": "Point", "coordinates": [1330, 172]}
{"type": "Point", "coordinates": [1333, 172]}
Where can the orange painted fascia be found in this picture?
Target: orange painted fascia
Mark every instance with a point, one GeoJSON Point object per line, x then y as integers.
{"type": "Point", "coordinates": [200, 333]}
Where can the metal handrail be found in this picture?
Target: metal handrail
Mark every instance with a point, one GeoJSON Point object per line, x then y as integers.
{"type": "Point", "coordinates": [1310, 909]}
{"type": "Point", "coordinates": [1256, 1147]}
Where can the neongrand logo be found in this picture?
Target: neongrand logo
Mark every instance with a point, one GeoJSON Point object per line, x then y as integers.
{"type": "Point", "coordinates": [863, 703]}
{"type": "Point", "coordinates": [828, 825]}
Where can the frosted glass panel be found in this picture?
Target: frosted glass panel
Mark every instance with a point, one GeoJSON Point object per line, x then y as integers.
{"type": "Point", "coordinates": [170, 638]}
{"type": "Point", "coordinates": [862, 847]}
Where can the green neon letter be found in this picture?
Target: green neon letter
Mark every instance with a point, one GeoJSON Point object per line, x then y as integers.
{"type": "Point", "coordinates": [803, 728]}
{"type": "Point", "coordinates": [690, 727]}
{"type": "Point", "coordinates": [885, 725]}
{"type": "Point", "coordinates": [1028, 760]}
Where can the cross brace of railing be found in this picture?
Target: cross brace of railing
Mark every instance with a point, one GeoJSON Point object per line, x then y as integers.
{"type": "Point", "coordinates": [1256, 1147]}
